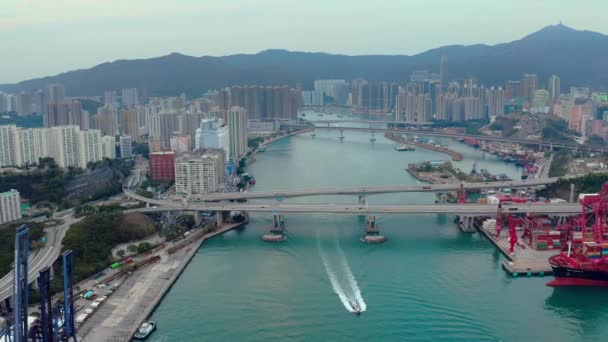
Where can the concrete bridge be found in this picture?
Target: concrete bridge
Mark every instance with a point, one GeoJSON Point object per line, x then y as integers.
{"type": "Point", "coordinates": [539, 143]}
{"type": "Point", "coordinates": [361, 191]}
{"type": "Point", "coordinates": [457, 209]}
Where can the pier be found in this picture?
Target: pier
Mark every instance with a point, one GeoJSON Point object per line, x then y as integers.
{"type": "Point", "coordinates": [138, 295]}
{"type": "Point", "coordinates": [525, 261]}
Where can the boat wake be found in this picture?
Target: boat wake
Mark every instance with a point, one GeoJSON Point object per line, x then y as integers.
{"type": "Point", "coordinates": [341, 277]}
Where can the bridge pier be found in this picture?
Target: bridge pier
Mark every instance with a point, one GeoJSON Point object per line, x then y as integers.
{"type": "Point", "coordinates": [197, 218]}
{"type": "Point", "coordinates": [462, 195]}
{"type": "Point", "coordinates": [571, 199]}
{"type": "Point", "coordinates": [362, 200]}
{"type": "Point", "coordinates": [341, 137]}
{"type": "Point", "coordinates": [467, 224]}
{"type": "Point", "coordinates": [219, 218]}
{"type": "Point", "coordinates": [314, 134]}
{"type": "Point", "coordinates": [373, 138]}
{"type": "Point", "coordinates": [372, 233]}
{"type": "Point", "coordinates": [277, 229]}
{"type": "Point", "coordinates": [441, 198]}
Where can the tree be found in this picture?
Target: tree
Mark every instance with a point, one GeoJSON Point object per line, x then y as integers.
{"type": "Point", "coordinates": [132, 248]}
{"type": "Point", "coordinates": [121, 253]}
{"type": "Point", "coordinates": [143, 247]}
{"type": "Point", "coordinates": [186, 221]}
{"type": "Point", "coordinates": [595, 140]}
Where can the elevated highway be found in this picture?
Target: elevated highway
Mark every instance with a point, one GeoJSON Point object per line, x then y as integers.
{"type": "Point", "coordinates": [458, 209]}
{"type": "Point", "coordinates": [45, 257]}
{"type": "Point", "coordinates": [363, 190]}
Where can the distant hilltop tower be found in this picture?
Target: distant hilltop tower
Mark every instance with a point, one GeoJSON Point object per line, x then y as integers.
{"type": "Point", "coordinates": [443, 70]}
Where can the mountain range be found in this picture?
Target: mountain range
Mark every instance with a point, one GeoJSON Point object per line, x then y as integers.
{"type": "Point", "coordinates": [578, 57]}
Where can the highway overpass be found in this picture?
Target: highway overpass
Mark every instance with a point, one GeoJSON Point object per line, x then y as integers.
{"type": "Point", "coordinates": [457, 209]}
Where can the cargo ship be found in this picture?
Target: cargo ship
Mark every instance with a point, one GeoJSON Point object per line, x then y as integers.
{"type": "Point", "coordinates": [586, 267]}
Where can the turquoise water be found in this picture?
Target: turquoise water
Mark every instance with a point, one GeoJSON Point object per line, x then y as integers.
{"type": "Point", "coordinates": [429, 281]}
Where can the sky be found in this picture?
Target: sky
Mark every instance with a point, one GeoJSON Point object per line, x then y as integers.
{"type": "Point", "coordinates": [46, 37]}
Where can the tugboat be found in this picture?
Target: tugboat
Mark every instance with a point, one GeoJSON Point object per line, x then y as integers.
{"type": "Point", "coordinates": [404, 148]}
{"type": "Point", "coordinates": [145, 330]}
{"type": "Point", "coordinates": [356, 308]}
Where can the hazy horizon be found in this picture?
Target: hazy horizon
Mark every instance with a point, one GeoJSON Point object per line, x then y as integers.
{"type": "Point", "coordinates": [79, 34]}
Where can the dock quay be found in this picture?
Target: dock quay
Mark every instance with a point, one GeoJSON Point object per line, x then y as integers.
{"type": "Point", "coordinates": [456, 156]}
{"type": "Point", "coordinates": [525, 261]}
{"type": "Point", "coordinates": [140, 293]}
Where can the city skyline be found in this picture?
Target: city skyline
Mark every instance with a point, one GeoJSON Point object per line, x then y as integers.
{"type": "Point", "coordinates": [191, 29]}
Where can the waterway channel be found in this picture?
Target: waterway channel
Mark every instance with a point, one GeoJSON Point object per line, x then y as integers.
{"type": "Point", "coordinates": [429, 281]}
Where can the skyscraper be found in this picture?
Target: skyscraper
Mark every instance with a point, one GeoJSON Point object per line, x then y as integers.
{"type": "Point", "coordinates": [237, 128]}
{"type": "Point", "coordinates": [554, 88]}
{"type": "Point", "coordinates": [90, 147]}
{"type": "Point", "coordinates": [529, 84]}
{"type": "Point", "coordinates": [55, 93]}
{"type": "Point", "coordinates": [214, 134]}
{"type": "Point", "coordinates": [443, 71]}
{"type": "Point", "coordinates": [7, 145]}
{"type": "Point", "coordinates": [130, 97]}
{"type": "Point", "coordinates": [108, 147]}
{"type": "Point", "coordinates": [126, 149]}
{"type": "Point", "coordinates": [24, 103]}
{"type": "Point", "coordinates": [512, 89]}
{"type": "Point", "coordinates": [129, 123]}
{"type": "Point", "coordinates": [110, 98]}
{"type": "Point", "coordinates": [105, 121]}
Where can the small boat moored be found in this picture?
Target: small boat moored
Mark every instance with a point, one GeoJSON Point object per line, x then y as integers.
{"type": "Point", "coordinates": [145, 330]}
{"type": "Point", "coordinates": [404, 148]}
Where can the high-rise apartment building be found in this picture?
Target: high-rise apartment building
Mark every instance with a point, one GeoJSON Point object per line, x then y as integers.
{"type": "Point", "coordinates": [126, 147]}
{"type": "Point", "coordinates": [213, 134]}
{"type": "Point", "coordinates": [68, 145]}
{"type": "Point", "coordinates": [38, 102]}
{"type": "Point", "coordinates": [3, 103]}
{"type": "Point", "coordinates": [108, 147]}
{"type": "Point", "coordinates": [110, 98]}
{"type": "Point", "coordinates": [312, 98]}
{"type": "Point", "coordinates": [129, 123]}
{"type": "Point", "coordinates": [162, 166]}
{"type": "Point", "coordinates": [512, 89]}
{"type": "Point", "coordinates": [443, 71]}
{"type": "Point", "coordinates": [7, 145]}
{"type": "Point", "coordinates": [495, 100]}
{"type": "Point", "coordinates": [24, 103]}
{"type": "Point", "coordinates": [105, 121]}
{"type": "Point", "coordinates": [199, 172]}
{"type": "Point", "coordinates": [90, 147]}
{"type": "Point", "coordinates": [66, 114]}
{"type": "Point", "coordinates": [189, 123]}
{"type": "Point", "coordinates": [529, 84]}
{"type": "Point", "coordinates": [168, 124]}
{"type": "Point", "coordinates": [55, 93]}
{"type": "Point", "coordinates": [130, 97]}
{"type": "Point", "coordinates": [336, 89]}
{"type": "Point", "coordinates": [10, 206]}
{"type": "Point", "coordinates": [554, 88]}
{"type": "Point", "coordinates": [260, 102]}
{"type": "Point", "coordinates": [237, 128]}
